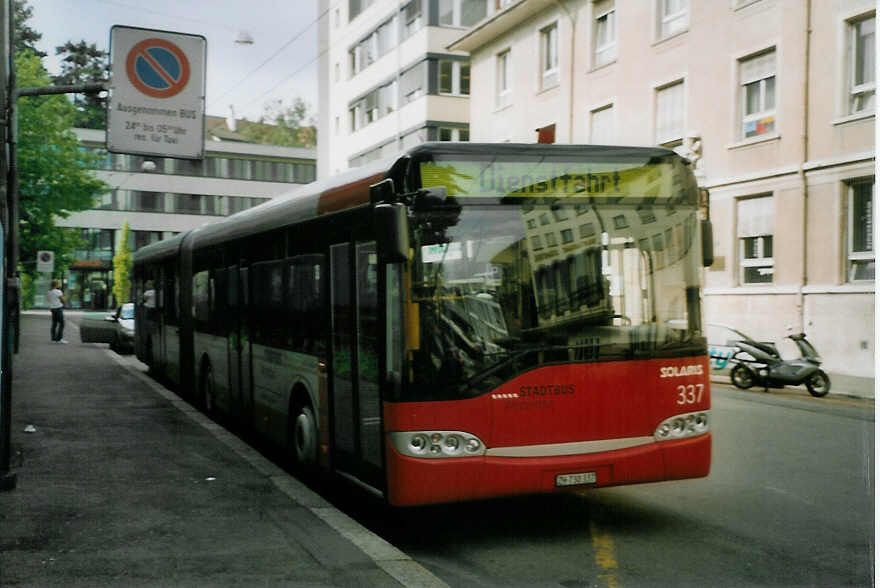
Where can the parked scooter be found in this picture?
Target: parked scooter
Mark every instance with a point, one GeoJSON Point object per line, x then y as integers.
{"type": "Point", "coordinates": [761, 364]}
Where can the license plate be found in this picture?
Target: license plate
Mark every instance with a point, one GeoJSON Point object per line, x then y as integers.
{"type": "Point", "coordinates": [575, 479]}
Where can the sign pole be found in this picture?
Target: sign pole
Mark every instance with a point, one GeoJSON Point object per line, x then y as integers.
{"type": "Point", "coordinates": [7, 87]}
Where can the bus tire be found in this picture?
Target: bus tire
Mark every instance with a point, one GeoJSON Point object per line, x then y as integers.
{"type": "Point", "coordinates": [305, 437]}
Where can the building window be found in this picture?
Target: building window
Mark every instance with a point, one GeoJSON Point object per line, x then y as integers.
{"type": "Point", "coordinates": [373, 106]}
{"type": "Point", "coordinates": [412, 83]}
{"type": "Point", "coordinates": [536, 242]}
{"type": "Point", "coordinates": [452, 134]}
{"type": "Point", "coordinates": [861, 65]}
{"type": "Point", "coordinates": [669, 115]}
{"type": "Point", "coordinates": [98, 245]}
{"type": "Point", "coordinates": [604, 33]}
{"type": "Point", "coordinates": [672, 17]}
{"type": "Point", "coordinates": [453, 77]}
{"type": "Point", "coordinates": [502, 70]}
{"type": "Point", "coordinates": [549, 56]}
{"type": "Point", "coordinates": [757, 79]}
{"type": "Point", "coordinates": [461, 13]}
{"type": "Point", "coordinates": [754, 218]}
{"type": "Point", "coordinates": [410, 19]}
{"type": "Point", "coordinates": [138, 239]}
{"type": "Point", "coordinates": [602, 125]}
{"type": "Point", "coordinates": [145, 201]}
{"type": "Point", "coordinates": [355, 7]}
{"type": "Point", "coordinates": [370, 49]}
{"type": "Point", "coordinates": [860, 249]}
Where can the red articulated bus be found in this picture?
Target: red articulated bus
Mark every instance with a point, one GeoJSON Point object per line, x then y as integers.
{"type": "Point", "coordinates": [463, 322]}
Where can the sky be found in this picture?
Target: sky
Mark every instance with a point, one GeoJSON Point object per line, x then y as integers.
{"type": "Point", "coordinates": [280, 64]}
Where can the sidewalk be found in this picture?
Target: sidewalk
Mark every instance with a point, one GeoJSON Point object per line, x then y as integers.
{"type": "Point", "coordinates": [842, 387]}
{"type": "Point", "coordinates": [124, 484]}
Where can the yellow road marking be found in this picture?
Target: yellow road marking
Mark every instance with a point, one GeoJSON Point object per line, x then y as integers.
{"type": "Point", "coordinates": [603, 552]}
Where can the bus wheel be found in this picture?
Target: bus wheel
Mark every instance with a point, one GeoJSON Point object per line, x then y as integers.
{"type": "Point", "coordinates": [208, 389]}
{"type": "Point", "coordinates": [305, 437]}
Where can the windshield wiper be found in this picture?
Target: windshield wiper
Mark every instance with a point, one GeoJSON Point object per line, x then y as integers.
{"type": "Point", "coordinates": [511, 359]}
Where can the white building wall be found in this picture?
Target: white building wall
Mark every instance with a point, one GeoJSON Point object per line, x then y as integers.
{"type": "Point", "coordinates": [340, 143]}
{"type": "Point", "coordinates": [805, 164]}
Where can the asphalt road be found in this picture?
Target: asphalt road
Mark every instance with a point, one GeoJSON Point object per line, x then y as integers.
{"type": "Point", "coordinates": [789, 502]}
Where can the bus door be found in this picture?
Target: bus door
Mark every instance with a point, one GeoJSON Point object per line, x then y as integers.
{"type": "Point", "coordinates": [240, 344]}
{"type": "Point", "coordinates": [357, 423]}
{"type": "Point", "coordinates": [171, 325]}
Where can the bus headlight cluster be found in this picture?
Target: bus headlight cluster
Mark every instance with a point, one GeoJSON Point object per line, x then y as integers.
{"type": "Point", "coordinates": [683, 426]}
{"type": "Point", "coordinates": [435, 444]}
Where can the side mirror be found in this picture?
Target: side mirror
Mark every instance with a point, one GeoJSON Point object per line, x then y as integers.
{"type": "Point", "coordinates": [430, 197]}
{"type": "Point", "coordinates": [382, 191]}
{"type": "Point", "coordinates": [392, 231]}
{"type": "Point", "coordinates": [708, 247]}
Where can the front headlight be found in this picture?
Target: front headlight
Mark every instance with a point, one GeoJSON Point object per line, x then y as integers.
{"type": "Point", "coordinates": [682, 426]}
{"type": "Point", "coordinates": [435, 444]}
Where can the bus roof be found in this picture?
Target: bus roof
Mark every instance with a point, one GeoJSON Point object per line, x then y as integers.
{"type": "Point", "coordinates": [157, 251]}
{"type": "Point", "coordinates": [596, 153]}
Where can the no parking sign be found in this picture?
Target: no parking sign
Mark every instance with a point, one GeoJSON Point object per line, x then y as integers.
{"type": "Point", "coordinates": [157, 100]}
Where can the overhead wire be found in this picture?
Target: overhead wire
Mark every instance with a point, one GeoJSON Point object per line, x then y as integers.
{"type": "Point", "coordinates": [273, 56]}
{"type": "Point", "coordinates": [265, 62]}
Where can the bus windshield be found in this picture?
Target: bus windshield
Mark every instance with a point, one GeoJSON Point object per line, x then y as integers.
{"type": "Point", "coordinates": [506, 282]}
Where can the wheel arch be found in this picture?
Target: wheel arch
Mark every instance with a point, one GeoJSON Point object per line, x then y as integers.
{"type": "Point", "coordinates": [300, 394]}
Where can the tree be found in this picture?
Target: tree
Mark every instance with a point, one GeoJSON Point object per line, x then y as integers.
{"type": "Point", "coordinates": [287, 126]}
{"type": "Point", "coordinates": [82, 64]}
{"type": "Point", "coordinates": [53, 172]}
{"type": "Point", "coordinates": [25, 38]}
{"type": "Point", "coordinates": [122, 269]}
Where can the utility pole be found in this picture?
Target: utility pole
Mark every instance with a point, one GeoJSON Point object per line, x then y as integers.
{"type": "Point", "coordinates": [8, 304]}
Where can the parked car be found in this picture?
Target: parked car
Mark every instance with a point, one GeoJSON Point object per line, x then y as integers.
{"type": "Point", "coordinates": [117, 329]}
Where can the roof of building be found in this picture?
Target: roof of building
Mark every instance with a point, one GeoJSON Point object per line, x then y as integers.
{"type": "Point", "coordinates": [218, 128]}
{"type": "Point", "coordinates": [220, 139]}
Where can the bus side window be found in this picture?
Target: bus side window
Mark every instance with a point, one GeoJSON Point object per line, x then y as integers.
{"type": "Point", "coordinates": [201, 300]}
{"type": "Point", "coordinates": [305, 288]}
{"type": "Point", "coordinates": [268, 308]}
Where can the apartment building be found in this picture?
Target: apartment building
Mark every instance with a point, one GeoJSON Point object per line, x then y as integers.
{"type": "Point", "coordinates": [387, 80]}
{"type": "Point", "coordinates": [774, 101]}
{"type": "Point", "coordinates": [160, 197]}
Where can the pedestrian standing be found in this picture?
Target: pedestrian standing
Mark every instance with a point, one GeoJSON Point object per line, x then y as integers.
{"type": "Point", "coordinates": [56, 306]}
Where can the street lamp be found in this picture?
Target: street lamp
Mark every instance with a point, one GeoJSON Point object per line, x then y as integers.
{"type": "Point", "coordinates": [244, 38]}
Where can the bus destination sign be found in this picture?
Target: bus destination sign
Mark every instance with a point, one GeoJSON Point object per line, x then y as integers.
{"type": "Point", "coordinates": [551, 180]}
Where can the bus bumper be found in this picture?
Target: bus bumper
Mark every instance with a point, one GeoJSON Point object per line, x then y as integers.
{"type": "Point", "coordinates": [413, 481]}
